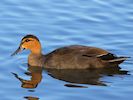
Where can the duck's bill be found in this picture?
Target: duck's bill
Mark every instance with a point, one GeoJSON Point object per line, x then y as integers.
{"type": "Point", "coordinates": [17, 51]}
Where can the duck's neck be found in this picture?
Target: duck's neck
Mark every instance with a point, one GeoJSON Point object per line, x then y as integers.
{"type": "Point", "coordinates": [37, 49]}
{"type": "Point", "coordinates": [36, 58]}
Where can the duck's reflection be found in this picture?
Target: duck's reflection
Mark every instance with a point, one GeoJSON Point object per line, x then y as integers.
{"type": "Point", "coordinates": [77, 76]}
{"type": "Point", "coordinates": [31, 98]}
{"type": "Point", "coordinates": [36, 77]}
{"type": "Point", "coordinates": [91, 77]}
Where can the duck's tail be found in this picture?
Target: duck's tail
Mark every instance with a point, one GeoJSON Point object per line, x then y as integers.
{"type": "Point", "coordinates": [112, 59]}
{"type": "Point", "coordinates": [118, 60]}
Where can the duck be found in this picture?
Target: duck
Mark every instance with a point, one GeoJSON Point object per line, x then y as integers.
{"type": "Point", "coordinates": [68, 57]}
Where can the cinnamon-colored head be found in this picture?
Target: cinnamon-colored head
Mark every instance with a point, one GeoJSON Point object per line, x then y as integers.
{"type": "Point", "coordinates": [31, 43]}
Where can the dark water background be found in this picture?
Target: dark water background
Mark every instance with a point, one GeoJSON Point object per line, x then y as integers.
{"type": "Point", "coordinates": [106, 24]}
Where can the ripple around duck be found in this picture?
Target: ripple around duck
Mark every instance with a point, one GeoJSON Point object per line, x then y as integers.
{"type": "Point", "coordinates": [59, 23]}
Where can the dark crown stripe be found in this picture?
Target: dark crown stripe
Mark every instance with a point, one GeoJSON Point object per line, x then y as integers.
{"type": "Point", "coordinates": [30, 36]}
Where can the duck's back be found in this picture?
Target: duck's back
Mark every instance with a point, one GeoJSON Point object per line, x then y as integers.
{"type": "Point", "coordinates": [75, 56]}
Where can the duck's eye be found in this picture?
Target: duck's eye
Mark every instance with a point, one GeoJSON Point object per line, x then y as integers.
{"type": "Point", "coordinates": [27, 40]}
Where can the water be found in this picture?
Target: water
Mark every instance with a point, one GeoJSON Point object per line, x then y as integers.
{"type": "Point", "coordinates": [57, 23]}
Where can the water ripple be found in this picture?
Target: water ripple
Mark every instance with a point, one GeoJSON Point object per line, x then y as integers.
{"type": "Point", "coordinates": [100, 23]}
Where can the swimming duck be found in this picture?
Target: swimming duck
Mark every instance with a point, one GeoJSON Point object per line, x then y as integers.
{"type": "Point", "coordinates": [69, 57]}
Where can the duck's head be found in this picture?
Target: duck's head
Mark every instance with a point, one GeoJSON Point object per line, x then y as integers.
{"type": "Point", "coordinates": [29, 42]}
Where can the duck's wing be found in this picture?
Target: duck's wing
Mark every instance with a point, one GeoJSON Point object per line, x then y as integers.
{"type": "Point", "coordinates": [103, 55]}
{"type": "Point", "coordinates": [73, 55]}
{"type": "Point", "coordinates": [107, 56]}
{"type": "Point", "coordinates": [79, 50]}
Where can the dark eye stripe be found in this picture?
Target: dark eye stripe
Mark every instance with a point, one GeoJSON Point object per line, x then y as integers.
{"type": "Point", "coordinates": [27, 40]}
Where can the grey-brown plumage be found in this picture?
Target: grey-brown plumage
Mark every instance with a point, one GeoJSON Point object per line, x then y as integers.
{"type": "Point", "coordinates": [70, 57]}
{"type": "Point", "coordinates": [81, 57]}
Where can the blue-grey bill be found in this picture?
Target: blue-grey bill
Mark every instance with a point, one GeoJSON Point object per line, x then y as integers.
{"type": "Point", "coordinates": [17, 51]}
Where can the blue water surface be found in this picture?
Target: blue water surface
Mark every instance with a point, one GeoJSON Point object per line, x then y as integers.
{"type": "Point", "coordinates": [107, 24]}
